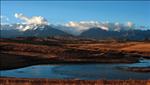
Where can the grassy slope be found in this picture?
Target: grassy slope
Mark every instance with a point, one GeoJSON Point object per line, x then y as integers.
{"type": "Point", "coordinates": [142, 48]}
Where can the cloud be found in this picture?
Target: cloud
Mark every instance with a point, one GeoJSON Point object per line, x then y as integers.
{"type": "Point", "coordinates": [4, 19]}
{"type": "Point", "coordinates": [130, 24]}
{"type": "Point", "coordinates": [85, 25]}
{"type": "Point", "coordinates": [21, 16]}
{"type": "Point", "coordinates": [31, 23]}
{"type": "Point", "coordinates": [75, 28]}
{"type": "Point", "coordinates": [37, 20]}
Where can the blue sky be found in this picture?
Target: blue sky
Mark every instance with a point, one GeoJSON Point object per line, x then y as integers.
{"type": "Point", "coordinates": [65, 11]}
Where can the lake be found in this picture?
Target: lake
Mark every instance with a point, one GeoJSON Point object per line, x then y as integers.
{"type": "Point", "coordinates": [79, 71]}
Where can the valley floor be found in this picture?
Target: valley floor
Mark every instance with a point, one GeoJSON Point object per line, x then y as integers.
{"type": "Point", "coordinates": [17, 53]}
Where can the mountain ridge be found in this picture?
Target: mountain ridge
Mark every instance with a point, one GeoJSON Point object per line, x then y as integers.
{"type": "Point", "coordinates": [15, 30]}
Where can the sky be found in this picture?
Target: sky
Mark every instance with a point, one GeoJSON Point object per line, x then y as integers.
{"type": "Point", "coordinates": [59, 12]}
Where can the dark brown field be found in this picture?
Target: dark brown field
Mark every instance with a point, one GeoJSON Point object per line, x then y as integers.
{"type": "Point", "coordinates": [24, 81]}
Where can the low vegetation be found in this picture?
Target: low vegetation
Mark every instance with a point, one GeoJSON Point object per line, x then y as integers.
{"type": "Point", "coordinates": [24, 81]}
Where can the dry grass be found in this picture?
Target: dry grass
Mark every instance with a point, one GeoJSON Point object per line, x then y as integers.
{"type": "Point", "coordinates": [142, 48]}
{"type": "Point", "coordinates": [11, 46]}
{"type": "Point", "coordinates": [24, 81]}
{"type": "Point", "coordinates": [18, 53]}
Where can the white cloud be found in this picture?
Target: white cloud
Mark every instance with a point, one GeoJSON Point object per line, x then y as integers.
{"type": "Point", "coordinates": [84, 25]}
{"type": "Point", "coordinates": [21, 16]}
{"type": "Point", "coordinates": [4, 17]}
{"type": "Point", "coordinates": [33, 20]}
{"type": "Point", "coordinates": [4, 20]}
{"type": "Point", "coordinates": [130, 24]}
{"type": "Point", "coordinates": [72, 27]}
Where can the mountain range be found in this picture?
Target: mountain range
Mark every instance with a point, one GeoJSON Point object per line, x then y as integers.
{"type": "Point", "coordinates": [15, 30]}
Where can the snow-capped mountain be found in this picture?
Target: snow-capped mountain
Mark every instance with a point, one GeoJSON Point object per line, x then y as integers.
{"type": "Point", "coordinates": [24, 30]}
{"type": "Point", "coordinates": [88, 31]}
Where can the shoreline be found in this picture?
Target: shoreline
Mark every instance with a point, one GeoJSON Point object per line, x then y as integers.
{"type": "Point", "coordinates": [12, 61]}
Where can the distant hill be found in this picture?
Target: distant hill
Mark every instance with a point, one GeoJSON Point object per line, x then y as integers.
{"type": "Point", "coordinates": [98, 33]}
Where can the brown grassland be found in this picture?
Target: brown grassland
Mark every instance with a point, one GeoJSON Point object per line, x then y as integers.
{"type": "Point", "coordinates": [25, 81]}
{"type": "Point", "coordinates": [25, 51]}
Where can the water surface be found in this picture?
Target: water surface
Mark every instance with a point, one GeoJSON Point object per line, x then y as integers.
{"type": "Point", "coordinates": [79, 71]}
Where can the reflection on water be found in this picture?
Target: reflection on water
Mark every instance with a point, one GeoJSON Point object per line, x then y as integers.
{"type": "Point", "coordinates": [79, 71]}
